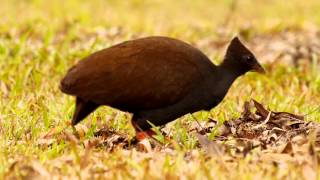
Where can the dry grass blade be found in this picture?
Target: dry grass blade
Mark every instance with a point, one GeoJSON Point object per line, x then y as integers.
{"type": "Point", "coordinates": [210, 147]}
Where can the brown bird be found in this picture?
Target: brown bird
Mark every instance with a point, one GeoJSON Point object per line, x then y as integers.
{"type": "Point", "coordinates": [158, 79]}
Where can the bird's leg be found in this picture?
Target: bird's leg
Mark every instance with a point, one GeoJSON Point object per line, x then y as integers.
{"type": "Point", "coordinates": [142, 134]}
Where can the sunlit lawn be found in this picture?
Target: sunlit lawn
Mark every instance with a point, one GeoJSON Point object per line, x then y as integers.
{"type": "Point", "coordinates": [40, 40]}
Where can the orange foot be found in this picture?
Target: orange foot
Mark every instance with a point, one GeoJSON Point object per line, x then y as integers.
{"type": "Point", "coordinates": [141, 135]}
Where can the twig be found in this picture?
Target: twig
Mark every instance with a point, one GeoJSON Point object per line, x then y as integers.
{"type": "Point", "coordinates": [264, 122]}
{"type": "Point", "coordinates": [202, 129]}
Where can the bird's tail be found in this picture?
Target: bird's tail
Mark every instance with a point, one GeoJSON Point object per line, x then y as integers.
{"type": "Point", "coordinates": [68, 82]}
{"type": "Point", "coordinates": [83, 109]}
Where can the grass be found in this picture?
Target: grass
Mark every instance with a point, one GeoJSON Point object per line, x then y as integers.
{"type": "Point", "coordinates": [40, 40]}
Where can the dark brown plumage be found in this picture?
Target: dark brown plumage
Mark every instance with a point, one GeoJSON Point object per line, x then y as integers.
{"type": "Point", "coordinates": [158, 79]}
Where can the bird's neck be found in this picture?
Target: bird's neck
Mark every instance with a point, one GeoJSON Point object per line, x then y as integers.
{"type": "Point", "coordinates": [222, 80]}
{"type": "Point", "coordinates": [228, 76]}
{"type": "Point", "coordinates": [231, 68]}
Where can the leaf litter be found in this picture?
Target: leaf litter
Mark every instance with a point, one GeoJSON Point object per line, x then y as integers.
{"type": "Point", "coordinates": [267, 130]}
{"type": "Point", "coordinates": [261, 134]}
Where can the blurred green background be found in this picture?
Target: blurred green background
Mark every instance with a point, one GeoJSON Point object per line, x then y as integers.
{"type": "Point", "coordinates": [41, 40]}
{"type": "Point", "coordinates": [175, 18]}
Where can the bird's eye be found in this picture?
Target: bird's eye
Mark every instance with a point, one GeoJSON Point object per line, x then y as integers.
{"type": "Point", "coordinates": [247, 58]}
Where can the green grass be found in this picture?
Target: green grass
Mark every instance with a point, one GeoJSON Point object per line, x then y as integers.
{"type": "Point", "coordinates": [40, 40]}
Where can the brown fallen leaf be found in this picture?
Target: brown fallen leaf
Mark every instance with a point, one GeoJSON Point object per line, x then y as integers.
{"type": "Point", "coordinates": [260, 109]}
{"type": "Point", "coordinates": [71, 138]}
{"type": "Point", "coordinates": [286, 148]}
{"type": "Point", "coordinates": [50, 133]}
{"type": "Point", "coordinates": [278, 115]}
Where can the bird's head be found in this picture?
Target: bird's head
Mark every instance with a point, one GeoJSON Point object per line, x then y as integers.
{"type": "Point", "coordinates": [239, 58]}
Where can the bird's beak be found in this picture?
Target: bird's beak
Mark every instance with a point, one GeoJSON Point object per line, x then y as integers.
{"type": "Point", "coordinates": [258, 68]}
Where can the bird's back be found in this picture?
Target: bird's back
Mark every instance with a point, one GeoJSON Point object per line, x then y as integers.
{"type": "Point", "coordinates": [146, 73]}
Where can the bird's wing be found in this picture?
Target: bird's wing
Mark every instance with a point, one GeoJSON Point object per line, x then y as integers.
{"type": "Point", "coordinates": [134, 77]}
